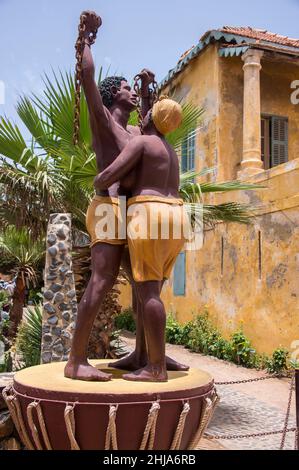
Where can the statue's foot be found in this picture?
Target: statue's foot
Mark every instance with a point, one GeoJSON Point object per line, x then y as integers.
{"type": "Point", "coordinates": [84, 371]}
{"type": "Point", "coordinates": [131, 362]}
{"type": "Point", "coordinates": [171, 364]}
{"type": "Point", "coordinates": [147, 374]}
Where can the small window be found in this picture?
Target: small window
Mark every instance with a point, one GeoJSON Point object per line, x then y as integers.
{"type": "Point", "coordinates": [274, 140]}
{"type": "Point", "coordinates": [179, 275]}
{"type": "Point", "coordinates": [188, 153]}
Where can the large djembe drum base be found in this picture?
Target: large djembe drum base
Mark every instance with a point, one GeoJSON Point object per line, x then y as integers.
{"type": "Point", "coordinates": [54, 412]}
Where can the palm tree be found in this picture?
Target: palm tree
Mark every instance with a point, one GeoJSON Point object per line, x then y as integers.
{"type": "Point", "coordinates": [26, 252]}
{"type": "Point", "coordinates": [53, 175]}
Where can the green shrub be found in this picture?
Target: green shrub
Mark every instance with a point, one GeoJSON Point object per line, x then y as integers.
{"type": "Point", "coordinates": [125, 320]}
{"type": "Point", "coordinates": [201, 336]}
{"type": "Point", "coordinates": [242, 351]}
{"type": "Point", "coordinates": [206, 339]}
{"type": "Point", "coordinates": [277, 363]}
{"type": "Point", "coordinates": [28, 339]}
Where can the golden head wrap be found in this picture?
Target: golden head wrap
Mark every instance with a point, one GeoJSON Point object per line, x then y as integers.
{"type": "Point", "coordinates": [167, 115]}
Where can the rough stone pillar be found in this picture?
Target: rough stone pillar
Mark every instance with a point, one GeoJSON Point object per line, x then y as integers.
{"type": "Point", "coordinates": [60, 304]}
{"type": "Point", "coordinates": [251, 161]}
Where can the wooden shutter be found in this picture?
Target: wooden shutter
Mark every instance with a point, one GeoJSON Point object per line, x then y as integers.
{"type": "Point", "coordinates": [179, 275]}
{"type": "Point", "coordinates": [184, 156]}
{"type": "Point", "coordinates": [279, 141]}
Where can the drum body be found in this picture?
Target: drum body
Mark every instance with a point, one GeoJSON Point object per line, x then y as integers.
{"type": "Point", "coordinates": [109, 415]}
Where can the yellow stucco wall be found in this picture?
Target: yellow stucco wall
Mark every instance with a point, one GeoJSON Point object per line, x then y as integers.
{"type": "Point", "coordinates": [202, 89]}
{"type": "Point", "coordinates": [260, 291]}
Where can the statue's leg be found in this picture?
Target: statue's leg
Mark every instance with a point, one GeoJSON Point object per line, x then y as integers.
{"type": "Point", "coordinates": [105, 263]}
{"type": "Point", "coordinates": [138, 357]}
{"type": "Point", "coordinates": [154, 321]}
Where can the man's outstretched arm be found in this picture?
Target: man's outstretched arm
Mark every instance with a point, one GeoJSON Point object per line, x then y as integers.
{"type": "Point", "coordinates": [93, 97]}
{"type": "Point", "coordinates": [122, 165]}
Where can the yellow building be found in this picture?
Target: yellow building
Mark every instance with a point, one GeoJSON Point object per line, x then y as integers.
{"type": "Point", "coordinates": [247, 81]}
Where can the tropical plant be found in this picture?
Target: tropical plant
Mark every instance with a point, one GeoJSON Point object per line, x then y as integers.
{"type": "Point", "coordinates": [28, 339]}
{"type": "Point", "coordinates": [25, 252]}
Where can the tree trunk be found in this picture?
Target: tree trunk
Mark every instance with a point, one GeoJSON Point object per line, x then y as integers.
{"type": "Point", "coordinates": [16, 311]}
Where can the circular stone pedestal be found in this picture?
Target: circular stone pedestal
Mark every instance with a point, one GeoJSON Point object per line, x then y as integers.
{"type": "Point", "coordinates": [115, 414]}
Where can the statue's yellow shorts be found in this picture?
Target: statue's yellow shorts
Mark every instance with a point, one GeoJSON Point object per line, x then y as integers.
{"type": "Point", "coordinates": [155, 234]}
{"type": "Point", "coordinates": [106, 221]}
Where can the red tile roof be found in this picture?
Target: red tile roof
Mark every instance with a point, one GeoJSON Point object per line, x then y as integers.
{"type": "Point", "coordinates": [261, 38]}
{"type": "Point", "coordinates": [186, 53]}
{"type": "Point", "coordinates": [260, 35]}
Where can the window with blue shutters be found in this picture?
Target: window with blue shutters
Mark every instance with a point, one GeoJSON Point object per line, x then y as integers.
{"type": "Point", "coordinates": [188, 153]}
{"type": "Point", "coordinates": [179, 275]}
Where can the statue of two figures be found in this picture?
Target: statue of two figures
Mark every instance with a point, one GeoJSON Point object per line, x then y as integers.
{"type": "Point", "coordinates": [138, 166]}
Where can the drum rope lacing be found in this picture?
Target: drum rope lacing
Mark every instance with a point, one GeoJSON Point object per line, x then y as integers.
{"type": "Point", "coordinates": [148, 439]}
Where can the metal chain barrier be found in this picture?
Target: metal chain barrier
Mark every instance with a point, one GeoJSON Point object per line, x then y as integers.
{"type": "Point", "coordinates": [286, 422]}
{"type": "Point", "coordinates": [283, 431]}
{"type": "Point", "coordinates": [235, 382]}
{"type": "Point", "coordinates": [245, 436]}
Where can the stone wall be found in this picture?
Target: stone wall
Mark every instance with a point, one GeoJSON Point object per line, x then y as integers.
{"type": "Point", "coordinates": [60, 304]}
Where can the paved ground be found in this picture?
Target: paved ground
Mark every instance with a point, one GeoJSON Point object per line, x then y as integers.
{"type": "Point", "coordinates": [244, 408]}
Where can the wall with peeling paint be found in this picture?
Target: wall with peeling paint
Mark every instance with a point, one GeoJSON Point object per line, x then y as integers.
{"type": "Point", "coordinates": [256, 284]}
{"type": "Point", "coordinates": [275, 81]}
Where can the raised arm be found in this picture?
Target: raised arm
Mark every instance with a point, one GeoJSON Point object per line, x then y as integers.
{"type": "Point", "coordinates": [93, 97]}
{"type": "Point", "coordinates": [124, 163]}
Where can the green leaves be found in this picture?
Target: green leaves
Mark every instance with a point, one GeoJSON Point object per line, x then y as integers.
{"type": "Point", "coordinates": [57, 108]}
{"type": "Point", "coordinates": [213, 187]}
{"type": "Point", "coordinates": [28, 340]}
{"type": "Point", "coordinates": [12, 144]}
{"type": "Point", "coordinates": [191, 117]}
{"type": "Point", "coordinates": [18, 243]}
{"type": "Point", "coordinates": [192, 193]}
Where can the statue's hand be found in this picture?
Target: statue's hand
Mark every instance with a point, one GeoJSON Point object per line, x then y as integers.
{"type": "Point", "coordinates": [147, 77]}
{"type": "Point", "coordinates": [92, 21]}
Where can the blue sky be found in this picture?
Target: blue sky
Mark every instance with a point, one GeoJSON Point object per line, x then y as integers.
{"type": "Point", "coordinates": [39, 35]}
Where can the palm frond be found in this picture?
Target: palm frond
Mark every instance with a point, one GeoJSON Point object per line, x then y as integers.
{"type": "Point", "coordinates": [28, 340]}
{"type": "Point", "coordinates": [19, 245]}
{"type": "Point", "coordinates": [228, 212]}
{"type": "Point", "coordinates": [213, 187]}
{"type": "Point", "coordinates": [191, 118]}
{"type": "Point", "coordinates": [34, 123]}
{"type": "Point", "coordinates": [12, 144]}
{"type": "Point", "coordinates": [57, 105]}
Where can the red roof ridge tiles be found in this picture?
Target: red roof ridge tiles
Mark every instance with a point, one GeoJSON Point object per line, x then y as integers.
{"type": "Point", "coordinates": [260, 35]}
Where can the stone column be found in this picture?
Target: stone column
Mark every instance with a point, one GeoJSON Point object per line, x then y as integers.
{"type": "Point", "coordinates": [251, 160]}
{"type": "Point", "coordinates": [60, 304]}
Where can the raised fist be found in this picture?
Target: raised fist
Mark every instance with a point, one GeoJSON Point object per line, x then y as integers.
{"type": "Point", "coordinates": [91, 21]}
{"type": "Point", "coordinates": [147, 77]}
